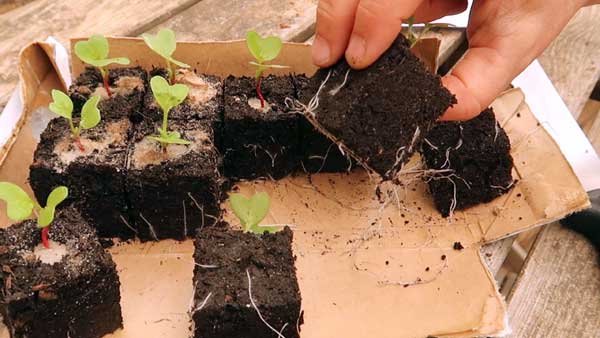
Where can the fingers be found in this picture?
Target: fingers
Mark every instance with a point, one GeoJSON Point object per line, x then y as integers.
{"type": "Point", "coordinates": [499, 50]}
{"type": "Point", "coordinates": [376, 25]}
{"type": "Point", "coordinates": [335, 19]}
{"type": "Point", "coordinates": [430, 10]}
{"type": "Point", "coordinates": [475, 81]}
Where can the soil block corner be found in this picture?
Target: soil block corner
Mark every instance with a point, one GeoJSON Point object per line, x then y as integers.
{"type": "Point", "coordinates": [175, 190]}
{"type": "Point", "coordinates": [76, 295]}
{"type": "Point", "coordinates": [319, 153]}
{"type": "Point", "coordinates": [477, 153]}
{"type": "Point", "coordinates": [127, 86]}
{"type": "Point", "coordinates": [259, 142]}
{"type": "Point", "coordinates": [94, 176]}
{"type": "Point", "coordinates": [225, 305]}
{"type": "Point", "coordinates": [380, 113]}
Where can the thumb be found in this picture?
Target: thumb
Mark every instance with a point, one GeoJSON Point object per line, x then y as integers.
{"type": "Point", "coordinates": [376, 26]}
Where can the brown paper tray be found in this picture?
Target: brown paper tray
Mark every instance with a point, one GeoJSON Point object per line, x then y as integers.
{"type": "Point", "coordinates": [361, 264]}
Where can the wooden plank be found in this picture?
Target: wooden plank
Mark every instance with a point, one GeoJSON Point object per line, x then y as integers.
{"type": "Point", "coordinates": [589, 120]}
{"type": "Point", "coordinates": [572, 61]}
{"type": "Point", "coordinates": [292, 20]}
{"type": "Point", "coordinates": [64, 19]}
{"type": "Point", "coordinates": [8, 5]}
{"type": "Point", "coordinates": [495, 253]}
{"type": "Point", "coordinates": [557, 293]}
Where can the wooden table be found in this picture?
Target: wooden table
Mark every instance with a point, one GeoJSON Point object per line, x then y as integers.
{"type": "Point", "coordinates": [557, 293]}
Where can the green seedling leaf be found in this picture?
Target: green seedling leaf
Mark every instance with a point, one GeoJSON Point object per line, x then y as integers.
{"type": "Point", "coordinates": [46, 215]}
{"type": "Point", "coordinates": [164, 44]}
{"type": "Point", "coordinates": [61, 104]}
{"type": "Point", "coordinates": [18, 204]}
{"type": "Point", "coordinates": [167, 96]}
{"type": "Point", "coordinates": [169, 138]}
{"type": "Point", "coordinates": [94, 51]}
{"type": "Point", "coordinates": [251, 211]}
{"type": "Point", "coordinates": [90, 114]}
{"type": "Point", "coordinates": [263, 49]}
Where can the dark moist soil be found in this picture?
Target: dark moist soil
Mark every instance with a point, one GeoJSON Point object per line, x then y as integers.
{"type": "Point", "coordinates": [479, 154]}
{"type": "Point", "coordinates": [255, 143]}
{"type": "Point", "coordinates": [187, 110]}
{"type": "Point", "coordinates": [76, 297]}
{"type": "Point", "coordinates": [117, 106]}
{"type": "Point", "coordinates": [319, 153]}
{"type": "Point", "coordinates": [378, 110]}
{"type": "Point", "coordinates": [164, 193]}
{"type": "Point", "coordinates": [228, 312]}
{"type": "Point", "coordinates": [96, 181]}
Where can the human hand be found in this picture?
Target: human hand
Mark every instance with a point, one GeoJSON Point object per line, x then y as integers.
{"type": "Point", "coordinates": [504, 37]}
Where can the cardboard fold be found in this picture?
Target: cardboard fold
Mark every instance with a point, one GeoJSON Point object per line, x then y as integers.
{"type": "Point", "coordinates": [367, 267]}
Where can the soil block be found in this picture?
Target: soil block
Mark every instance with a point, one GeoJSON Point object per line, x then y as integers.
{"type": "Point", "coordinates": [222, 305]}
{"type": "Point", "coordinates": [380, 113]}
{"type": "Point", "coordinates": [173, 193]}
{"type": "Point", "coordinates": [478, 154]}
{"type": "Point", "coordinates": [95, 177]}
{"type": "Point", "coordinates": [259, 142]}
{"type": "Point", "coordinates": [204, 101]}
{"type": "Point", "coordinates": [127, 85]}
{"type": "Point", "coordinates": [68, 290]}
{"type": "Point", "coordinates": [319, 153]}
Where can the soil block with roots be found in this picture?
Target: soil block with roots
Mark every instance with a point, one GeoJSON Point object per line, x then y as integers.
{"type": "Point", "coordinates": [127, 87]}
{"type": "Point", "coordinates": [474, 162]}
{"type": "Point", "coordinates": [95, 175]}
{"type": "Point", "coordinates": [259, 142]}
{"type": "Point", "coordinates": [70, 289]}
{"type": "Point", "coordinates": [381, 113]}
{"type": "Point", "coordinates": [319, 153]}
{"type": "Point", "coordinates": [204, 101]}
{"type": "Point", "coordinates": [238, 274]}
{"type": "Point", "coordinates": [176, 189]}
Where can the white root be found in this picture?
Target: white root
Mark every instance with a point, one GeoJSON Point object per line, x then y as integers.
{"type": "Point", "coordinates": [185, 230]}
{"type": "Point", "coordinates": [152, 231]}
{"type": "Point", "coordinates": [337, 89]}
{"type": "Point", "coordinates": [202, 305]}
{"type": "Point", "coordinates": [207, 266]}
{"type": "Point", "coordinates": [127, 224]}
{"type": "Point", "coordinates": [279, 335]}
{"type": "Point", "coordinates": [201, 208]}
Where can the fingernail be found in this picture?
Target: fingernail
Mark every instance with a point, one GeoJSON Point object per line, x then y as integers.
{"type": "Point", "coordinates": [320, 51]}
{"type": "Point", "coordinates": [356, 49]}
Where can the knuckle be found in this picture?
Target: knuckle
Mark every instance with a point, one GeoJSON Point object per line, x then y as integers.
{"type": "Point", "coordinates": [326, 10]}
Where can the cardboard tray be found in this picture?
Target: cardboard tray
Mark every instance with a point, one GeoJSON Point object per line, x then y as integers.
{"type": "Point", "coordinates": [361, 263]}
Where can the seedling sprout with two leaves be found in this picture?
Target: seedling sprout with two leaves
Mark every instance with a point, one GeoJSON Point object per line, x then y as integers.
{"type": "Point", "coordinates": [168, 96]}
{"type": "Point", "coordinates": [90, 114]}
{"type": "Point", "coordinates": [164, 44]}
{"type": "Point", "coordinates": [94, 51]}
{"type": "Point", "coordinates": [263, 50]}
{"type": "Point", "coordinates": [251, 211]}
{"type": "Point", "coordinates": [19, 206]}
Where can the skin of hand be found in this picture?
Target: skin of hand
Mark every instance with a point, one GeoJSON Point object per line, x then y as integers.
{"type": "Point", "coordinates": [504, 37]}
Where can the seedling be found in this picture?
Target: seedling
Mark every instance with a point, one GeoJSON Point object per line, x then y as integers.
{"type": "Point", "coordinates": [164, 44]}
{"type": "Point", "coordinates": [168, 96]}
{"type": "Point", "coordinates": [90, 114]}
{"type": "Point", "coordinates": [415, 38]}
{"type": "Point", "coordinates": [19, 206]}
{"type": "Point", "coordinates": [263, 50]}
{"type": "Point", "coordinates": [94, 51]}
{"type": "Point", "coordinates": [251, 211]}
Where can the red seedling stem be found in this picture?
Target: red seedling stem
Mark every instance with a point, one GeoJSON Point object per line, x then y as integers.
{"type": "Point", "coordinates": [106, 86]}
{"type": "Point", "coordinates": [45, 237]}
{"type": "Point", "coordinates": [259, 92]}
{"type": "Point", "coordinates": [79, 144]}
